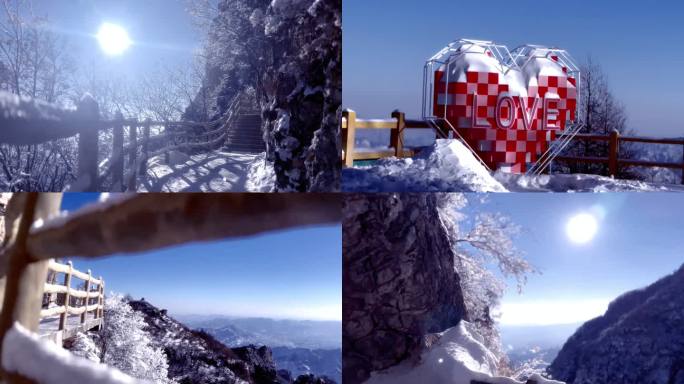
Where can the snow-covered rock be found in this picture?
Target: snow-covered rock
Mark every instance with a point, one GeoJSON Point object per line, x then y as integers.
{"type": "Point", "coordinates": [455, 356]}
{"type": "Point", "coordinates": [640, 339]}
{"type": "Point", "coordinates": [447, 166]}
{"type": "Point", "coordinates": [399, 281]}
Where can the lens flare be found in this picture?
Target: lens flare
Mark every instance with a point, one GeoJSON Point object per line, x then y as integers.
{"type": "Point", "coordinates": [113, 39]}
{"type": "Point", "coordinates": [581, 228]}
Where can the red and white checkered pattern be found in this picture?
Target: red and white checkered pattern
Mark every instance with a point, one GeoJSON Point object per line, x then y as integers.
{"type": "Point", "coordinates": [510, 149]}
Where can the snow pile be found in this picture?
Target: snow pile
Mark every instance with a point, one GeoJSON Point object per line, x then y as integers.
{"type": "Point", "coordinates": [260, 175]}
{"type": "Point", "coordinates": [578, 183]}
{"type": "Point", "coordinates": [456, 356]}
{"type": "Point", "coordinates": [24, 353]}
{"type": "Point", "coordinates": [446, 167]}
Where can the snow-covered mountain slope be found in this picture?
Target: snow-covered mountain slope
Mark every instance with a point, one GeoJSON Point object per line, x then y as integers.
{"type": "Point", "coordinates": [455, 356]}
{"type": "Point", "coordinates": [299, 346]}
{"type": "Point", "coordinates": [448, 166]}
{"type": "Point", "coordinates": [196, 357]}
{"type": "Point", "coordinates": [640, 339]}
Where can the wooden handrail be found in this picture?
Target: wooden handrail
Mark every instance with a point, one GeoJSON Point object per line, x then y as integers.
{"type": "Point", "coordinates": [27, 122]}
{"type": "Point", "coordinates": [86, 295]}
{"type": "Point", "coordinates": [398, 125]}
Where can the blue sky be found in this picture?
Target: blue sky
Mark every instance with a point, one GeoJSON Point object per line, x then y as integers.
{"type": "Point", "coordinates": [161, 30]}
{"type": "Point", "coordinates": [287, 274]}
{"type": "Point", "coordinates": [639, 240]}
{"type": "Point", "coordinates": [385, 45]}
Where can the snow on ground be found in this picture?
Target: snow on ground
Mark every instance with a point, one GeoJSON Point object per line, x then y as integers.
{"type": "Point", "coordinates": [448, 166]}
{"type": "Point", "coordinates": [215, 171]}
{"type": "Point", "coordinates": [261, 175]}
{"type": "Point", "coordinates": [457, 356]}
{"type": "Point", "coordinates": [51, 324]}
{"type": "Point", "coordinates": [579, 183]}
{"type": "Point", "coordinates": [23, 352]}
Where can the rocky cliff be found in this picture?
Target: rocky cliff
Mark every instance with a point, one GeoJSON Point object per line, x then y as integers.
{"type": "Point", "coordinates": [399, 282]}
{"type": "Point", "coordinates": [640, 339]}
{"type": "Point", "coordinates": [195, 357]}
{"type": "Point", "coordinates": [290, 52]}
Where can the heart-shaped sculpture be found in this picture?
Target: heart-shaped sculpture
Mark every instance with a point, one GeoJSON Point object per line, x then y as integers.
{"type": "Point", "coordinates": [507, 111]}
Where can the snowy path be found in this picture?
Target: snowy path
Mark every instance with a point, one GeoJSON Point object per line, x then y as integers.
{"type": "Point", "coordinates": [216, 171]}
{"type": "Point", "coordinates": [51, 324]}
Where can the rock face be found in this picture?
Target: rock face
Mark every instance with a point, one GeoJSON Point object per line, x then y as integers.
{"type": "Point", "coordinates": [303, 93]}
{"type": "Point", "coordinates": [399, 282]}
{"type": "Point", "coordinates": [640, 339]}
{"type": "Point", "coordinates": [290, 52]}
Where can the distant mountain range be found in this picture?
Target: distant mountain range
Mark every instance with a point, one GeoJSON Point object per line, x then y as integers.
{"type": "Point", "coordinates": [540, 342]}
{"type": "Point", "coordinates": [299, 346]}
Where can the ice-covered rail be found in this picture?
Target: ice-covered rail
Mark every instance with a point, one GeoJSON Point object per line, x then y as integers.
{"type": "Point", "coordinates": [25, 121]}
{"type": "Point", "coordinates": [86, 303]}
{"type": "Point", "coordinates": [125, 224]}
{"type": "Point", "coordinates": [398, 125]}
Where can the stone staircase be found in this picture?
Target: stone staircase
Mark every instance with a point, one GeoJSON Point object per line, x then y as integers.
{"type": "Point", "coordinates": [245, 136]}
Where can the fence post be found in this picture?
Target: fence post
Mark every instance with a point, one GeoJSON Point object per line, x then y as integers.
{"type": "Point", "coordinates": [89, 113]}
{"type": "Point", "coordinates": [132, 150]}
{"type": "Point", "coordinates": [682, 164]}
{"type": "Point", "coordinates": [348, 137]}
{"type": "Point", "coordinates": [145, 147]}
{"type": "Point", "coordinates": [102, 302]}
{"type": "Point", "coordinates": [84, 315]}
{"type": "Point", "coordinates": [613, 148]}
{"type": "Point", "coordinates": [25, 278]}
{"type": "Point", "coordinates": [67, 283]}
{"type": "Point", "coordinates": [118, 153]}
{"type": "Point", "coordinates": [397, 135]}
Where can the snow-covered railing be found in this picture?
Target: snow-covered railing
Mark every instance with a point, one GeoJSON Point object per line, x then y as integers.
{"type": "Point", "coordinates": [398, 125]}
{"type": "Point", "coordinates": [614, 162]}
{"type": "Point", "coordinates": [89, 299]}
{"type": "Point", "coordinates": [28, 122]}
{"type": "Point", "coordinates": [125, 225]}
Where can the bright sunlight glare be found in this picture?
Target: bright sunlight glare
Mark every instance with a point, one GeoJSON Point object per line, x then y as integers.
{"type": "Point", "coordinates": [113, 39]}
{"type": "Point", "coordinates": [581, 228]}
{"type": "Point", "coordinates": [552, 312]}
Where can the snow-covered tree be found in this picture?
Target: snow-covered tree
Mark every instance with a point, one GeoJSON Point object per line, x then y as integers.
{"type": "Point", "coordinates": [127, 346]}
{"type": "Point", "coordinates": [483, 245]}
{"type": "Point", "coordinates": [84, 346]}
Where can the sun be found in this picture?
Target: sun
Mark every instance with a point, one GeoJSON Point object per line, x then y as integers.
{"type": "Point", "coordinates": [581, 228]}
{"type": "Point", "coordinates": [113, 39]}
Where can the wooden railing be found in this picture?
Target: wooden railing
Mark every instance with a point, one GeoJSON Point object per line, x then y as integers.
{"type": "Point", "coordinates": [398, 125]}
{"type": "Point", "coordinates": [126, 226]}
{"type": "Point", "coordinates": [29, 122]}
{"type": "Point", "coordinates": [89, 299]}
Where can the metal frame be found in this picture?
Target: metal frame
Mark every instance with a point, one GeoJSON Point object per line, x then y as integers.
{"type": "Point", "coordinates": [508, 60]}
